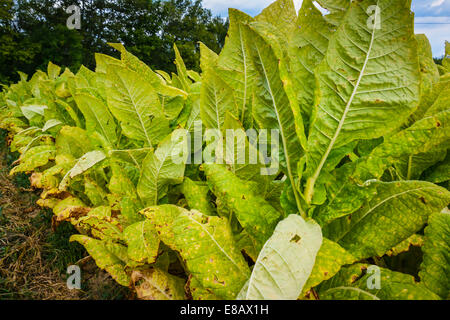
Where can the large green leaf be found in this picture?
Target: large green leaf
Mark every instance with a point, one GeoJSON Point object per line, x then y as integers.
{"type": "Point", "coordinates": [271, 106]}
{"type": "Point", "coordinates": [368, 82]}
{"type": "Point", "coordinates": [83, 164]}
{"type": "Point", "coordinates": [399, 210]}
{"type": "Point", "coordinates": [282, 15]}
{"type": "Point", "coordinates": [352, 283]}
{"type": "Point", "coordinates": [155, 284]}
{"type": "Point", "coordinates": [86, 162]}
{"type": "Point", "coordinates": [50, 124]}
{"type": "Point", "coordinates": [142, 241]}
{"type": "Point", "coordinates": [181, 70]}
{"type": "Point", "coordinates": [34, 158]}
{"type": "Point", "coordinates": [198, 197]}
{"type": "Point", "coordinates": [191, 113]}
{"type": "Point", "coordinates": [348, 190]}
{"type": "Point", "coordinates": [134, 102]}
{"type": "Point", "coordinates": [278, 44]}
{"type": "Point", "coordinates": [411, 167]}
{"type": "Point", "coordinates": [337, 10]}
{"type": "Point", "coordinates": [95, 192]}
{"type": "Point", "coordinates": [307, 48]}
{"type": "Point", "coordinates": [254, 213]}
{"type": "Point", "coordinates": [133, 63]}
{"type": "Point", "coordinates": [98, 222]}
{"type": "Point", "coordinates": [206, 245]}
{"type": "Point", "coordinates": [435, 268]}
{"type": "Point", "coordinates": [216, 97]}
{"type": "Point", "coordinates": [53, 70]}
{"type": "Point", "coordinates": [32, 111]}
{"type": "Point", "coordinates": [104, 258]}
{"type": "Point", "coordinates": [441, 172]}
{"type": "Point", "coordinates": [446, 60]}
{"type": "Point", "coordinates": [441, 100]}
{"type": "Point", "coordinates": [439, 90]}
{"type": "Point", "coordinates": [236, 68]}
{"type": "Point", "coordinates": [329, 260]}
{"type": "Point", "coordinates": [73, 141]}
{"type": "Point", "coordinates": [429, 76]}
{"type": "Point", "coordinates": [422, 137]}
{"type": "Point", "coordinates": [98, 118]}
{"type": "Point", "coordinates": [172, 106]}
{"type": "Point", "coordinates": [238, 152]}
{"type": "Point", "coordinates": [285, 262]}
{"type": "Point", "coordinates": [120, 185]}
{"type": "Point", "coordinates": [161, 168]}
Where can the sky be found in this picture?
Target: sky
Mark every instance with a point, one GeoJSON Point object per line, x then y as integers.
{"type": "Point", "coordinates": [432, 17]}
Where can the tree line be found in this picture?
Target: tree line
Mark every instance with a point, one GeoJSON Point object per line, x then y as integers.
{"type": "Point", "coordinates": [34, 32]}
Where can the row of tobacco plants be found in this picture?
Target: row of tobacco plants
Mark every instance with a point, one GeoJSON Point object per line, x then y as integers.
{"type": "Point", "coordinates": [362, 113]}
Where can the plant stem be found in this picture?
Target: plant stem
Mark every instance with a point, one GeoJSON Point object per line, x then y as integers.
{"type": "Point", "coordinates": [309, 190]}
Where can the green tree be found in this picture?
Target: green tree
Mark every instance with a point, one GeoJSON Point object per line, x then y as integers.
{"type": "Point", "coordinates": [34, 32]}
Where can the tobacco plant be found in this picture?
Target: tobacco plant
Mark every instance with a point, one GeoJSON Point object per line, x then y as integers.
{"type": "Point", "coordinates": [362, 113]}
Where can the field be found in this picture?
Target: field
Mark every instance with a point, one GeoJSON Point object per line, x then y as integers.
{"type": "Point", "coordinates": [308, 160]}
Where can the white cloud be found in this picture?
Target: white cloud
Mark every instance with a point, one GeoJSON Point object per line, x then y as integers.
{"type": "Point", "coordinates": [428, 8]}
{"type": "Point", "coordinates": [437, 3]}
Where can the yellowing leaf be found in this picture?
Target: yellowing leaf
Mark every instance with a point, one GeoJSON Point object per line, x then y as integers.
{"type": "Point", "coordinates": [360, 233]}
{"type": "Point", "coordinates": [155, 284]}
{"type": "Point", "coordinates": [254, 213]}
{"type": "Point", "coordinates": [329, 260]}
{"type": "Point", "coordinates": [98, 118]}
{"type": "Point", "coordinates": [435, 269]}
{"type": "Point", "coordinates": [34, 158]}
{"type": "Point", "coordinates": [206, 245]}
{"type": "Point", "coordinates": [143, 242]}
{"type": "Point", "coordinates": [281, 14]}
{"type": "Point", "coordinates": [196, 194]}
{"type": "Point", "coordinates": [163, 167]}
{"type": "Point", "coordinates": [216, 97]}
{"type": "Point", "coordinates": [104, 258]}
{"type": "Point", "coordinates": [352, 283]}
{"type": "Point", "coordinates": [235, 66]}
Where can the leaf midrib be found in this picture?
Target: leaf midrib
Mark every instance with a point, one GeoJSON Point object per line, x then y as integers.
{"type": "Point", "coordinates": [244, 60]}
{"type": "Point", "coordinates": [215, 242]}
{"type": "Point", "coordinates": [135, 110]}
{"type": "Point", "coordinates": [283, 139]}
{"type": "Point", "coordinates": [105, 132]}
{"type": "Point", "coordinates": [346, 110]}
{"type": "Point", "coordinates": [379, 204]}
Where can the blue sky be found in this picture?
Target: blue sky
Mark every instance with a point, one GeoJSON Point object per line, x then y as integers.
{"type": "Point", "coordinates": [431, 16]}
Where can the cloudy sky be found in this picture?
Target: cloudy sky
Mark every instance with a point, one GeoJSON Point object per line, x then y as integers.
{"type": "Point", "coordinates": [432, 16]}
